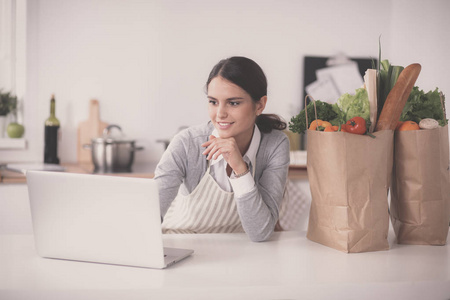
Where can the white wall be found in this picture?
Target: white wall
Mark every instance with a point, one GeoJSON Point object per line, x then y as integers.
{"type": "Point", "coordinates": [147, 61]}
{"type": "Point", "coordinates": [6, 48]}
{"type": "Point", "coordinates": [420, 34]}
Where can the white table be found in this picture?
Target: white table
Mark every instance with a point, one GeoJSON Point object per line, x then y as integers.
{"type": "Point", "coordinates": [229, 266]}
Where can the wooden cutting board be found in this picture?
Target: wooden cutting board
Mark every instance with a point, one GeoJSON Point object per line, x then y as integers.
{"type": "Point", "coordinates": [87, 130]}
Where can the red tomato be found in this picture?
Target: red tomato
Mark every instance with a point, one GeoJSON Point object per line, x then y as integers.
{"type": "Point", "coordinates": [356, 125]}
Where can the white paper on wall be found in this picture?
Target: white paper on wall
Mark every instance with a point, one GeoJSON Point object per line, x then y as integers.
{"type": "Point", "coordinates": [345, 76]}
{"type": "Point", "coordinates": [324, 90]}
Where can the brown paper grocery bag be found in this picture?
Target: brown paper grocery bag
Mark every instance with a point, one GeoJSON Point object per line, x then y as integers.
{"type": "Point", "coordinates": [420, 193]}
{"type": "Point", "coordinates": [349, 177]}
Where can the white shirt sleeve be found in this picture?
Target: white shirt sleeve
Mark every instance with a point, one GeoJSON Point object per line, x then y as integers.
{"type": "Point", "coordinates": [243, 184]}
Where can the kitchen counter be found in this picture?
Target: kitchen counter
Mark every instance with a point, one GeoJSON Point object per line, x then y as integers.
{"type": "Point", "coordinates": [145, 170]}
{"type": "Point", "coordinates": [229, 266]}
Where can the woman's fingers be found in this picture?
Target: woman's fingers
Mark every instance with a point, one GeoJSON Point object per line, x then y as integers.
{"type": "Point", "coordinates": [206, 144]}
{"type": "Point", "coordinates": [217, 146]}
{"type": "Point", "coordinates": [214, 150]}
{"type": "Point", "coordinates": [227, 148]}
{"type": "Point", "coordinates": [215, 153]}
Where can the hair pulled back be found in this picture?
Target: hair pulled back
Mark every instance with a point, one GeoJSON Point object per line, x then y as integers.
{"type": "Point", "coordinates": [249, 76]}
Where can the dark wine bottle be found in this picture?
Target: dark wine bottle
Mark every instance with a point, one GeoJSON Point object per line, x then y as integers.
{"type": "Point", "coordinates": [51, 136]}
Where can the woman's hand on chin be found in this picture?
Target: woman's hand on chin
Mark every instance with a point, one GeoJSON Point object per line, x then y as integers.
{"type": "Point", "coordinates": [229, 150]}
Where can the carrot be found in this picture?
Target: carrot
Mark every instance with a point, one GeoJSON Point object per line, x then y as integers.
{"type": "Point", "coordinates": [396, 100]}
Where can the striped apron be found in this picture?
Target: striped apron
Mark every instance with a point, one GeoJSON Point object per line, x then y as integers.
{"type": "Point", "coordinates": [208, 209]}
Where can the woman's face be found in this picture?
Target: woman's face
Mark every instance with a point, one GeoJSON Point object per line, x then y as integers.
{"type": "Point", "coordinates": [232, 110]}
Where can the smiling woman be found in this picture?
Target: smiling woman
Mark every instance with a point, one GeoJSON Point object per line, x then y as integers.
{"type": "Point", "coordinates": [233, 117]}
{"type": "Point", "coordinates": [249, 76]}
{"type": "Point", "coordinates": [228, 175]}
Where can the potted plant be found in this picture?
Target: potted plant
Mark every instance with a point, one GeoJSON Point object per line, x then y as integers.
{"type": "Point", "coordinates": [8, 103]}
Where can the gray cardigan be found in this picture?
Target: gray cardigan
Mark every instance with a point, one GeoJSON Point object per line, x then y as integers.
{"type": "Point", "coordinates": [183, 165]}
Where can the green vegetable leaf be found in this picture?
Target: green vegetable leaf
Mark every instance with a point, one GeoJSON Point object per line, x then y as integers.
{"type": "Point", "coordinates": [325, 112]}
{"type": "Point", "coordinates": [421, 105]}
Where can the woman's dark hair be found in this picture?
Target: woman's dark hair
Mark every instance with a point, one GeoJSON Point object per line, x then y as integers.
{"type": "Point", "coordinates": [249, 76]}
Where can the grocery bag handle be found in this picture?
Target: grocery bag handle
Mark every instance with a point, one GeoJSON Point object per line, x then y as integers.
{"type": "Point", "coordinates": [306, 111]}
{"type": "Point", "coordinates": [442, 97]}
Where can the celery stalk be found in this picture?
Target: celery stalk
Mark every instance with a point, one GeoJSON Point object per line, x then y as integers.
{"type": "Point", "coordinates": [382, 80]}
{"type": "Point", "coordinates": [395, 72]}
{"type": "Point", "coordinates": [387, 77]}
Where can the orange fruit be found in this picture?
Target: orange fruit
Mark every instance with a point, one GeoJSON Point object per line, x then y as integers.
{"type": "Point", "coordinates": [409, 125]}
{"type": "Point", "coordinates": [399, 123]}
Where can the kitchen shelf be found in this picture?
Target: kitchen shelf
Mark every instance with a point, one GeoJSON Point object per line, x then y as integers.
{"type": "Point", "coordinates": [8, 143]}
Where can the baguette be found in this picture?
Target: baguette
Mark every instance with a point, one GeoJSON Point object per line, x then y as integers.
{"type": "Point", "coordinates": [397, 97]}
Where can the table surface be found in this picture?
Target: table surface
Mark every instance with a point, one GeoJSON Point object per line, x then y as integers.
{"type": "Point", "coordinates": [230, 266]}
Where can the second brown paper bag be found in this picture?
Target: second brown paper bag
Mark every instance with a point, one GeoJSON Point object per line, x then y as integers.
{"type": "Point", "coordinates": [349, 177]}
{"type": "Point", "coordinates": [420, 193]}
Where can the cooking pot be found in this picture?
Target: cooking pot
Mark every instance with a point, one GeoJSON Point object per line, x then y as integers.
{"type": "Point", "coordinates": [112, 154]}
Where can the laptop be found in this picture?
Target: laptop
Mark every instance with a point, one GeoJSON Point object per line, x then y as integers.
{"type": "Point", "coordinates": [99, 218]}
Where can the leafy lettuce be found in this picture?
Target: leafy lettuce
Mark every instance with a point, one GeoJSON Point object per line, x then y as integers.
{"type": "Point", "coordinates": [349, 106]}
{"type": "Point", "coordinates": [421, 105]}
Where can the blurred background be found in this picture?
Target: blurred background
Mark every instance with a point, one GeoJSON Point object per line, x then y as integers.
{"type": "Point", "coordinates": [147, 62]}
